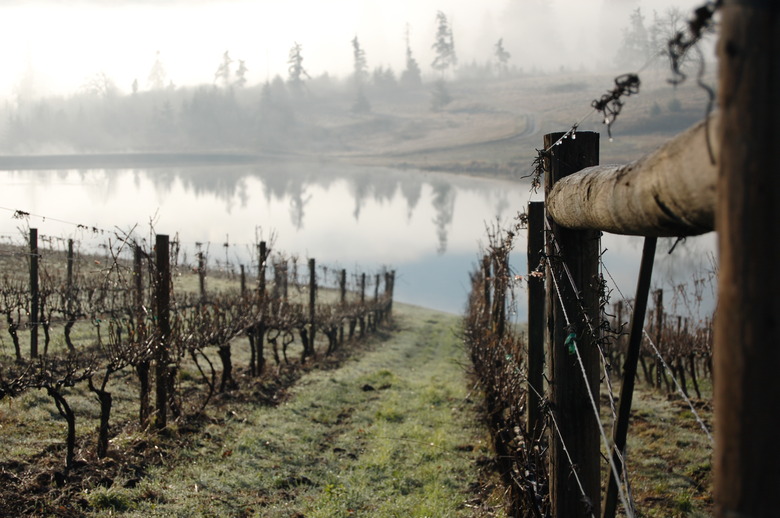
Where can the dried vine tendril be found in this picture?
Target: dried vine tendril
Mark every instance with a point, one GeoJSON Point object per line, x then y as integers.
{"type": "Point", "coordinates": [611, 104]}
{"type": "Point", "coordinates": [538, 169]}
{"type": "Point", "coordinates": [679, 45]}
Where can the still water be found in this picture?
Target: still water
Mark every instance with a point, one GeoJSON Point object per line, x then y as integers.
{"type": "Point", "coordinates": [426, 226]}
{"type": "Point", "coordinates": [429, 227]}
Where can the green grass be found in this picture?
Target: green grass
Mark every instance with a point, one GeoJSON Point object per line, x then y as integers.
{"type": "Point", "coordinates": [669, 457]}
{"type": "Point", "coordinates": [382, 436]}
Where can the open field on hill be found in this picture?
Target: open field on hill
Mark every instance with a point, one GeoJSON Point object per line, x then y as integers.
{"type": "Point", "coordinates": [491, 127]}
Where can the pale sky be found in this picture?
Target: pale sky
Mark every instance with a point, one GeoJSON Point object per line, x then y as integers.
{"type": "Point", "coordinates": [58, 46]}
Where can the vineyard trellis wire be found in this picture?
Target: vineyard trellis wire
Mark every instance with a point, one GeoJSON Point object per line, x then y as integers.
{"type": "Point", "coordinates": [499, 364]}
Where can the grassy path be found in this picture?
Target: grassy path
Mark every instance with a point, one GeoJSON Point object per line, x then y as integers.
{"type": "Point", "coordinates": [389, 433]}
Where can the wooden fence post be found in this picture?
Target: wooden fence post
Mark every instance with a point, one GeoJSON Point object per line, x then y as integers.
{"type": "Point", "coordinates": [162, 305]}
{"type": "Point", "coordinates": [389, 290]}
{"type": "Point", "coordinates": [568, 391]}
{"type": "Point", "coordinates": [69, 279]}
{"type": "Point", "coordinates": [343, 286]}
{"type": "Point", "coordinates": [262, 253]}
{"type": "Point", "coordinates": [375, 313]}
{"type": "Point", "coordinates": [660, 372]}
{"type": "Point", "coordinates": [257, 331]}
{"type": "Point", "coordinates": [312, 303]}
{"type": "Point", "coordinates": [34, 293]}
{"type": "Point", "coordinates": [202, 276]}
{"type": "Point", "coordinates": [142, 367]}
{"type": "Point", "coordinates": [747, 449]}
{"type": "Point", "coordinates": [535, 383]}
{"type": "Point", "coordinates": [69, 297]}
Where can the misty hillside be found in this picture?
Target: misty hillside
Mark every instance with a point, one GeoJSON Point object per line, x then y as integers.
{"type": "Point", "coordinates": [490, 125]}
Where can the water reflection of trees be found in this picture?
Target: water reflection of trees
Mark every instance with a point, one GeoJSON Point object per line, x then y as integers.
{"type": "Point", "coordinates": [292, 184]}
{"type": "Point", "coordinates": [444, 204]}
{"type": "Point", "coordinates": [411, 190]}
{"type": "Point", "coordinates": [380, 186]}
{"type": "Point", "coordinates": [289, 182]}
{"type": "Point", "coordinates": [298, 201]}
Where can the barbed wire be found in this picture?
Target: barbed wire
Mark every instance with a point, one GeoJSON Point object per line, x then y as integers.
{"type": "Point", "coordinates": [131, 236]}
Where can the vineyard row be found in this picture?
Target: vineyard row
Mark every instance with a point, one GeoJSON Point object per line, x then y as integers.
{"type": "Point", "coordinates": [102, 318]}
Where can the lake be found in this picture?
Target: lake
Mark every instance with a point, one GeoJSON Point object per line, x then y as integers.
{"type": "Point", "coordinates": [427, 226]}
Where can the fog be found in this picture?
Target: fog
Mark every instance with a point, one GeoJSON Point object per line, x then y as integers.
{"type": "Point", "coordinates": [145, 86]}
{"type": "Point", "coordinates": [49, 47]}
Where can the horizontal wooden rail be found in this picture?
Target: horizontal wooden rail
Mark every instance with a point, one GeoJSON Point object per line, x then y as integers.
{"type": "Point", "coordinates": [670, 192]}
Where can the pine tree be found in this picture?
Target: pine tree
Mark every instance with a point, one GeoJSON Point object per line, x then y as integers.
{"type": "Point", "coordinates": [636, 49]}
{"type": "Point", "coordinates": [444, 46]}
{"type": "Point", "coordinates": [502, 58]}
{"type": "Point", "coordinates": [157, 74]}
{"type": "Point", "coordinates": [360, 65]}
{"type": "Point", "coordinates": [360, 68]}
{"type": "Point", "coordinates": [295, 67]}
{"type": "Point", "coordinates": [223, 71]}
{"type": "Point", "coordinates": [241, 73]}
{"type": "Point", "coordinates": [411, 77]}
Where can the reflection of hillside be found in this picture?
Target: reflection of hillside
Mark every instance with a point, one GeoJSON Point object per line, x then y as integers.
{"type": "Point", "coordinates": [290, 184]}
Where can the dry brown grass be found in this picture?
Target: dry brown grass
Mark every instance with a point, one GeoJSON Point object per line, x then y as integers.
{"type": "Point", "coordinates": [496, 125]}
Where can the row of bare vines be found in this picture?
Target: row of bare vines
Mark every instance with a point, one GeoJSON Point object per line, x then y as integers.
{"type": "Point", "coordinates": [497, 352]}
{"type": "Point", "coordinates": [118, 314]}
{"type": "Point", "coordinates": [499, 356]}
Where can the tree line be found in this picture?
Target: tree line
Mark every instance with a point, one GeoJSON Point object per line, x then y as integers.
{"type": "Point", "coordinates": [226, 114]}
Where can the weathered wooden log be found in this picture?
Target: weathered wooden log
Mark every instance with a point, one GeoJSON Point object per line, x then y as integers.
{"type": "Point", "coordinates": [668, 193]}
